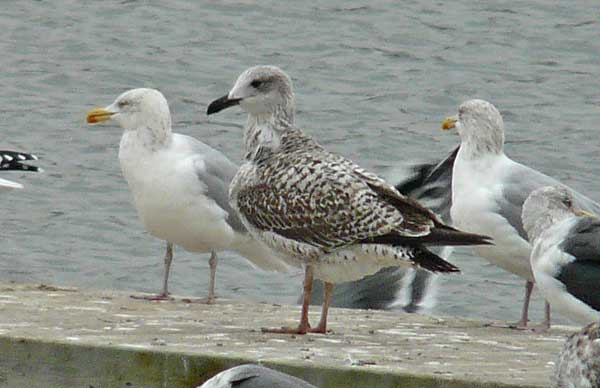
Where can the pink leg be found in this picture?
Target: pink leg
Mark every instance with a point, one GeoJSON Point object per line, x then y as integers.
{"type": "Point", "coordinates": [322, 328]}
{"type": "Point", "coordinates": [212, 262]}
{"type": "Point", "coordinates": [522, 324]}
{"type": "Point", "coordinates": [545, 325]}
{"type": "Point", "coordinates": [304, 325]}
{"type": "Point", "coordinates": [164, 295]}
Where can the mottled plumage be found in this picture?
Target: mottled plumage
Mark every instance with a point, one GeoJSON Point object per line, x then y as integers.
{"type": "Point", "coordinates": [320, 209]}
{"type": "Point", "coordinates": [431, 185]}
{"type": "Point", "coordinates": [578, 364]}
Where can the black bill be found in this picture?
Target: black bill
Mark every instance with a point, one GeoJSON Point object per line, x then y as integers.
{"type": "Point", "coordinates": [221, 103]}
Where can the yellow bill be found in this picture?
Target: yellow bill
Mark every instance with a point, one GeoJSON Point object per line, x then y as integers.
{"type": "Point", "coordinates": [449, 123]}
{"type": "Point", "coordinates": [98, 115]}
{"type": "Point", "coordinates": [583, 213]}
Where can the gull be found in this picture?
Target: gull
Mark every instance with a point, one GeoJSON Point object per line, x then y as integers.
{"type": "Point", "coordinates": [566, 252]}
{"type": "Point", "coordinates": [488, 191]}
{"type": "Point", "coordinates": [13, 161]}
{"type": "Point", "coordinates": [430, 183]}
{"type": "Point", "coordinates": [337, 220]}
{"type": "Point", "coordinates": [578, 363]}
{"type": "Point", "coordinates": [179, 185]}
{"type": "Point", "coordinates": [254, 376]}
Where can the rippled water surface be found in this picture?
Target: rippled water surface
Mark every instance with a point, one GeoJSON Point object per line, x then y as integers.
{"type": "Point", "coordinates": [373, 81]}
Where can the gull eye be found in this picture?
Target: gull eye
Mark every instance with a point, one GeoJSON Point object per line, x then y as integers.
{"type": "Point", "coordinates": [567, 202]}
{"type": "Point", "coordinates": [256, 83]}
{"type": "Point", "coordinates": [123, 103]}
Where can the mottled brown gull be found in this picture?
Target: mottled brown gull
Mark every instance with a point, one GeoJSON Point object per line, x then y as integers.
{"type": "Point", "coordinates": [319, 209]}
{"type": "Point", "coordinates": [578, 363]}
{"type": "Point", "coordinates": [179, 185]}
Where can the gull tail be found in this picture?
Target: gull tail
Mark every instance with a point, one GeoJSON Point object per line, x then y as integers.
{"type": "Point", "coordinates": [428, 260]}
{"type": "Point", "coordinates": [441, 235]}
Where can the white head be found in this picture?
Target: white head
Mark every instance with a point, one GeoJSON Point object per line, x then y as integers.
{"type": "Point", "coordinates": [479, 125]}
{"type": "Point", "coordinates": [260, 91]}
{"type": "Point", "coordinates": [545, 207]}
{"type": "Point", "coordinates": [137, 109]}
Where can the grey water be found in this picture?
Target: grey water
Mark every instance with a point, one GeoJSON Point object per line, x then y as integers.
{"type": "Point", "coordinates": [373, 81]}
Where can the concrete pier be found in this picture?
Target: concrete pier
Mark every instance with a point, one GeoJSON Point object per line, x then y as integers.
{"type": "Point", "coordinates": [62, 338]}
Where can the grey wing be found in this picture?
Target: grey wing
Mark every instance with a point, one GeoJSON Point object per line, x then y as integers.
{"type": "Point", "coordinates": [582, 276]}
{"type": "Point", "coordinates": [216, 171]}
{"type": "Point", "coordinates": [255, 376]}
{"type": "Point", "coordinates": [517, 187]}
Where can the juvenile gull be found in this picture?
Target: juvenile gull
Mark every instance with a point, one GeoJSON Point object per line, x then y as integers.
{"type": "Point", "coordinates": [254, 376]}
{"type": "Point", "coordinates": [565, 258]}
{"type": "Point", "coordinates": [406, 288]}
{"type": "Point", "coordinates": [578, 364]}
{"type": "Point", "coordinates": [14, 161]}
{"type": "Point", "coordinates": [179, 185]}
{"type": "Point", "coordinates": [317, 208]}
{"type": "Point", "coordinates": [488, 191]}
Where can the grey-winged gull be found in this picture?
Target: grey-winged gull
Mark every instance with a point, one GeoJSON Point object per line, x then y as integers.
{"type": "Point", "coordinates": [565, 258]}
{"type": "Point", "coordinates": [319, 209]}
{"type": "Point", "coordinates": [179, 185]}
{"type": "Point", "coordinates": [254, 376]}
{"type": "Point", "coordinates": [578, 364]}
{"type": "Point", "coordinates": [15, 161]}
{"type": "Point", "coordinates": [488, 191]}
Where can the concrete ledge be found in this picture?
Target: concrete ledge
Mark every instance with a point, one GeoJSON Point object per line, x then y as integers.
{"type": "Point", "coordinates": [51, 337]}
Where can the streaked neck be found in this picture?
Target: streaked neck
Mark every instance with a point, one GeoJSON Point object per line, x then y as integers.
{"type": "Point", "coordinates": [263, 132]}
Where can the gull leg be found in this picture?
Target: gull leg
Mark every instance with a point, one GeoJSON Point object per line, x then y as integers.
{"type": "Point", "coordinates": [322, 327]}
{"type": "Point", "coordinates": [522, 324]}
{"type": "Point", "coordinates": [212, 262]}
{"type": "Point", "coordinates": [304, 324]}
{"type": "Point", "coordinates": [164, 295]}
{"type": "Point", "coordinates": [545, 325]}
{"type": "Point", "coordinates": [213, 272]}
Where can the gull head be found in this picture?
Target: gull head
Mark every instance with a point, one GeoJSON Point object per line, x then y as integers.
{"type": "Point", "coordinates": [546, 206]}
{"type": "Point", "coordinates": [479, 125]}
{"type": "Point", "coordinates": [260, 91]}
{"type": "Point", "coordinates": [136, 109]}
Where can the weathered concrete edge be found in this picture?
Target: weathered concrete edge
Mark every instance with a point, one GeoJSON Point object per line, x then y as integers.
{"type": "Point", "coordinates": [38, 363]}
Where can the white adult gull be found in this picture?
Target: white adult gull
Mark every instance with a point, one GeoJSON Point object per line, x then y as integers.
{"type": "Point", "coordinates": [317, 208]}
{"type": "Point", "coordinates": [179, 185]}
{"type": "Point", "coordinates": [254, 376]}
{"type": "Point", "coordinates": [15, 161]}
{"type": "Point", "coordinates": [488, 191]}
{"type": "Point", "coordinates": [566, 253]}
{"type": "Point", "coordinates": [578, 364]}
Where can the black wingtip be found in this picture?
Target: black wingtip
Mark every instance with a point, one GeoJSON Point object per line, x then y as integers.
{"type": "Point", "coordinates": [432, 262]}
{"type": "Point", "coordinates": [13, 161]}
